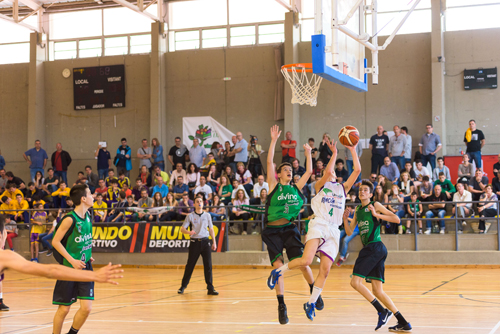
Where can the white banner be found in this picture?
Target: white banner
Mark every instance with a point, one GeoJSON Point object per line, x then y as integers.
{"type": "Point", "coordinates": [206, 129]}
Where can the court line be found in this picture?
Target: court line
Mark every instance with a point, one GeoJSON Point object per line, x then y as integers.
{"type": "Point", "coordinates": [494, 329]}
{"type": "Point", "coordinates": [444, 283]}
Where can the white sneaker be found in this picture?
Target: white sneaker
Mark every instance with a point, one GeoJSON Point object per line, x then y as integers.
{"type": "Point", "coordinates": [408, 231]}
{"type": "Point", "coordinates": [428, 231]}
{"type": "Point", "coordinates": [441, 231]}
{"type": "Point", "coordinates": [419, 231]}
{"type": "Point", "coordinates": [464, 223]}
{"type": "Point", "coordinates": [244, 233]}
{"type": "Point", "coordinates": [460, 232]}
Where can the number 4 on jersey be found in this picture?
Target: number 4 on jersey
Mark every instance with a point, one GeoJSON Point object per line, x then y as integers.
{"type": "Point", "coordinates": [330, 212]}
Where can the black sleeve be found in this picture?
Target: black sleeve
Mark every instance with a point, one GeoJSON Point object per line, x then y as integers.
{"type": "Point", "coordinates": [171, 152]}
{"type": "Point", "coordinates": [481, 135]}
{"type": "Point", "coordinates": [372, 141]}
{"type": "Point", "coordinates": [68, 157]}
{"type": "Point", "coordinates": [52, 158]}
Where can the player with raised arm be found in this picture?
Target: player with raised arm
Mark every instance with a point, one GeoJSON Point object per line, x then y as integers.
{"type": "Point", "coordinates": [282, 207]}
{"type": "Point", "coordinates": [370, 264]}
{"type": "Point", "coordinates": [323, 235]}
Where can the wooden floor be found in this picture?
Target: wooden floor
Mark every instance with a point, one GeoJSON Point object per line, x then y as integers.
{"type": "Point", "coordinates": [146, 301]}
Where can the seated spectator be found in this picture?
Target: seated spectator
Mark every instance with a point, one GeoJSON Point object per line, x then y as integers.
{"type": "Point", "coordinates": [340, 171]}
{"type": "Point", "coordinates": [11, 191]}
{"type": "Point", "coordinates": [38, 180]}
{"type": "Point", "coordinates": [51, 182]}
{"type": "Point", "coordinates": [464, 171]}
{"type": "Point", "coordinates": [127, 190]}
{"type": "Point", "coordinates": [319, 168]}
{"type": "Point", "coordinates": [213, 178]}
{"type": "Point", "coordinates": [488, 208]}
{"type": "Point", "coordinates": [447, 187]}
{"type": "Point", "coordinates": [396, 206]}
{"type": "Point", "coordinates": [11, 228]}
{"type": "Point", "coordinates": [204, 188]}
{"type": "Point", "coordinates": [261, 200]}
{"type": "Point", "coordinates": [237, 186]}
{"type": "Point", "coordinates": [16, 180]}
{"type": "Point", "coordinates": [436, 210]}
{"type": "Point", "coordinates": [406, 185]}
{"type": "Point", "coordinates": [218, 211]}
{"type": "Point", "coordinates": [261, 184]}
{"type": "Point", "coordinates": [346, 239]}
{"type": "Point", "coordinates": [185, 207]}
{"type": "Point", "coordinates": [409, 170]}
{"type": "Point", "coordinates": [44, 238]}
{"type": "Point", "coordinates": [496, 186]}
{"type": "Point", "coordinates": [478, 184]}
{"type": "Point", "coordinates": [59, 196]}
{"type": "Point", "coordinates": [136, 191]}
{"type": "Point", "coordinates": [230, 174]}
{"type": "Point", "coordinates": [421, 171]}
{"type": "Point", "coordinates": [305, 192]}
{"type": "Point", "coordinates": [160, 187]}
{"type": "Point", "coordinates": [384, 183]}
{"type": "Point", "coordinates": [117, 213]}
{"type": "Point", "coordinates": [38, 221]}
{"type": "Point", "coordinates": [82, 179]}
{"type": "Point", "coordinates": [157, 202]}
{"type": "Point", "coordinates": [144, 202]}
{"type": "Point", "coordinates": [122, 180]}
{"type": "Point", "coordinates": [100, 209]}
{"type": "Point", "coordinates": [414, 209]}
{"type": "Point", "coordinates": [20, 205]}
{"type": "Point", "coordinates": [239, 214]}
{"type": "Point", "coordinates": [31, 192]}
{"type": "Point", "coordinates": [103, 190]}
{"type": "Point", "coordinates": [38, 200]}
{"type": "Point", "coordinates": [244, 177]}
{"type": "Point", "coordinates": [180, 189]}
{"type": "Point", "coordinates": [111, 177]}
{"type": "Point", "coordinates": [225, 189]}
{"type": "Point", "coordinates": [464, 210]}
{"type": "Point", "coordinates": [130, 216]}
{"type": "Point", "coordinates": [441, 168]}
{"type": "Point", "coordinates": [390, 170]}
{"type": "Point", "coordinates": [373, 180]}
{"type": "Point", "coordinates": [172, 204]}
{"type": "Point", "coordinates": [425, 189]}
{"type": "Point", "coordinates": [324, 151]}
{"type": "Point", "coordinates": [178, 171]}
{"type": "Point", "coordinates": [157, 172]}
{"type": "Point", "coordinates": [92, 179]}
{"type": "Point", "coordinates": [379, 195]}
{"type": "Point", "coordinates": [311, 185]}
{"type": "Point", "coordinates": [145, 176]}
{"type": "Point", "coordinates": [192, 177]}
{"type": "Point", "coordinates": [297, 169]}
{"type": "Point", "coordinates": [113, 194]}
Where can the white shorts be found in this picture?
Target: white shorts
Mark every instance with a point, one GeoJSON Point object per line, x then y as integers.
{"type": "Point", "coordinates": [328, 234]}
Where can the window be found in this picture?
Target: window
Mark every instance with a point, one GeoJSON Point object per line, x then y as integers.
{"type": "Point", "coordinates": [242, 36]}
{"type": "Point", "coordinates": [214, 38]}
{"type": "Point", "coordinates": [14, 53]}
{"type": "Point", "coordinates": [271, 33]}
{"type": "Point", "coordinates": [120, 21]}
{"type": "Point", "coordinates": [65, 50]}
{"type": "Point", "coordinates": [16, 33]}
{"type": "Point", "coordinates": [418, 22]}
{"type": "Point", "coordinates": [80, 24]}
{"type": "Point", "coordinates": [477, 17]}
{"type": "Point", "coordinates": [140, 44]}
{"type": "Point", "coordinates": [186, 40]}
{"type": "Point", "coordinates": [116, 46]}
{"type": "Point", "coordinates": [90, 48]}
{"type": "Point", "coordinates": [306, 30]}
{"type": "Point", "coordinates": [194, 14]}
{"type": "Point", "coordinates": [241, 11]}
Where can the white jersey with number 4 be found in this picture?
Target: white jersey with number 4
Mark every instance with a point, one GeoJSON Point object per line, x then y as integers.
{"type": "Point", "coordinates": [329, 203]}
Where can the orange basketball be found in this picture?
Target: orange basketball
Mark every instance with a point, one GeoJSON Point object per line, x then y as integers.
{"type": "Point", "coordinates": [348, 135]}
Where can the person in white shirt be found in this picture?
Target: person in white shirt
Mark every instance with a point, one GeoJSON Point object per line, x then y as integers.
{"type": "Point", "coordinates": [237, 186]}
{"type": "Point", "coordinates": [420, 171]}
{"type": "Point", "coordinates": [404, 131]}
{"type": "Point", "coordinates": [464, 209]}
{"type": "Point", "coordinates": [259, 186]}
{"type": "Point", "coordinates": [178, 171]}
{"type": "Point", "coordinates": [204, 188]}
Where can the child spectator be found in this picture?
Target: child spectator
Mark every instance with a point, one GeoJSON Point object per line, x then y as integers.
{"type": "Point", "coordinates": [127, 190]}
{"type": "Point", "coordinates": [488, 208]}
{"type": "Point", "coordinates": [345, 239]}
{"type": "Point", "coordinates": [31, 192]}
{"type": "Point", "coordinates": [447, 187]}
{"type": "Point", "coordinates": [414, 210]}
{"type": "Point", "coordinates": [111, 177]}
{"type": "Point", "coordinates": [122, 180]}
{"type": "Point", "coordinates": [340, 171]}
{"type": "Point", "coordinates": [12, 230]}
{"type": "Point", "coordinates": [425, 188]}
{"type": "Point", "coordinates": [103, 190]}
{"type": "Point", "coordinates": [21, 206]}
{"type": "Point", "coordinates": [45, 237]}
{"type": "Point", "coordinates": [441, 168]}
{"type": "Point", "coordinates": [464, 171]}
{"type": "Point", "coordinates": [100, 211]}
{"type": "Point", "coordinates": [113, 194]}
{"type": "Point", "coordinates": [38, 220]}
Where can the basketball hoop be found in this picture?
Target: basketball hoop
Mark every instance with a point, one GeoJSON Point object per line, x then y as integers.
{"type": "Point", "coordinates": [304, 83]}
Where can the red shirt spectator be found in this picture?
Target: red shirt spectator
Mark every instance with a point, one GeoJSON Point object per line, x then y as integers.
{"type": "Point", "coordinates": [288, 148]}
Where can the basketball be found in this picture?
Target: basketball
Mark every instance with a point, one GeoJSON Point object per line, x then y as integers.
{"type": "Point", "coordinates": [348, 135]}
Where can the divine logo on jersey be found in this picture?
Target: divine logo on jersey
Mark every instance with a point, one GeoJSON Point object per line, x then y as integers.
{"type": "Point", "coordinates": [287, 197]}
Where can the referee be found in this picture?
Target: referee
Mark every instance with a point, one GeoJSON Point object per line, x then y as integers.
{"type": "Point", "coordinates": [201, 225]}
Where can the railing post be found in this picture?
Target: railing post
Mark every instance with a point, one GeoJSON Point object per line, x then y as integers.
{"type": "Point", "coordinates": [456, 226]}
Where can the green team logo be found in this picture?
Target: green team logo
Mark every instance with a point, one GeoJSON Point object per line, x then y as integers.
{"type": "Point", "coordinates": [327, 191]}
{"type": "Point", "coordinates": [202, 134]}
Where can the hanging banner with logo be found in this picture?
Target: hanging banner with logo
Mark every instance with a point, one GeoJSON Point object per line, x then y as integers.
{"type": "Point", "coordinates": [206, 129]}
{"type": "Point", "coordinates": [163, 237]}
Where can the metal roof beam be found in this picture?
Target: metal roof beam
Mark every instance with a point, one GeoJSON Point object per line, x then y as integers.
{"type": "Point", "coordinates": [11, 20]}
{"type": "Point", "coordinates": [32, 4]}
{"type": "Point", "coordinates": [136, 9]}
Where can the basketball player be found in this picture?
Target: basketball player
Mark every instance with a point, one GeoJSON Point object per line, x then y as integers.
{"type": "Point", "coordinates": [323, 235]}
{"type": "Point", "coordinates": [73, 248]}
{"type": "Point", "coordinates": [370, 262]}
{"type": "Point", "coordinates": [282, 208]}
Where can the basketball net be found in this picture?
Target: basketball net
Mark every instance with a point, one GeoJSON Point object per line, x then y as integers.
{"type": "Point", "coordinates": [304, 83]}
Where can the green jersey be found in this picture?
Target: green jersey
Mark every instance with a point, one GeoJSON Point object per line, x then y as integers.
{"type": "Point", "coordinates": [79, 240]}
{"type": "Point", "coordinates": [369, 226]}
{"type": "Point", "coordinates": [283, 202]}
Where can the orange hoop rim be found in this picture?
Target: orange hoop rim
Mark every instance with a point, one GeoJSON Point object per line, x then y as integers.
{"type": "Point", "coordinates": [306, 66]}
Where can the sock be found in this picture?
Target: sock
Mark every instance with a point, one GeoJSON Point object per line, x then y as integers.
{"type": "Point", "coordinates": [311, 286]}
{"type": "Point", "coordinates": [281, 299]}
{"type": "Point", "coordinates": [401, 319]}
{"type": "Point", "coordinates": [315, 294]}
{"type": "Point", "coordinates": [1, 295]}
{"type": "Point", "coordinates": [378, 306]}
{"type": "Point", "coordinates": [73, 331]}
{"type": "Point", "coordinates": [283, 269]}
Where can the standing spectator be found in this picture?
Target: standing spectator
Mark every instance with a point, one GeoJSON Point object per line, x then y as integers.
{"type": "Point", "coordinates": [197, 154]}
{"type": "Point", "coordinates": [464, 171]}
{"type": "Point", "coordinates": [261, 184]}
{"type": "Point", "coordinates": [446, 186]}
{"type": "Point", "coordinates": [437, 209]}
{"type": "Point", "coordinates": [474, 139]}
{"type": "Point", "coordinates": [2, 161]}
{"type": "Point", "coordinates": [227, 157]}
{"type": "Point", "coordinates": [178, 171]}
{"type": "Point", "coordinates": [60, 161]}
{"type": "Point", "coordinates": [160, 187]}
{"type": "Point", "coordinates": [216, 150]}
{"type": "Point", "coordinates": [288, 148]}
{"type": "Point", "coordinates": [4, 179]}
{"type": "Point", "coordinates": [178, 153]}
{"type": "Point", "coordinates": [36, 158]}
{"type": "Point", "coordinates": [145, 153]}
{"type": "Point", "coordinates": [324, 151]}
{"type": "Point", "coordinates": [390, 170]}
{"type": "Point", "coordinates": [486, 209]}
{"type": "Point", "coordinates": [92, 178]}
{"type": "Point", "coordinates": [397, 146]}
{"type": "Point", "coordinates": [477, 185]}
{"type": "Point", "coordinates": [240, 151]}
{"type": "Point", "coordinates": [464, 208]}
{"type": "Point", "coordinates": [404, 132]}
{"type": "Point", "coordinates": [103, 161]}
{"type": "Point", "coordinates": [204, 188]}
{"type": "Point", "coordinates": [429, 145]}
{"type": "Point", "coordinates": [158, 154]}
{"type": "Point", "coordinates": [441, 168]}
{"type": "Point", "coordinates": [349, 161]}
{"type": "Point", "coordinates": [379, 143]}
{"type": "Point", "coordinates": [123, 159]}
{"type": "Point", "coordinates": [314, 152]}
{"type": "Point", "coordinates": [254, 152]}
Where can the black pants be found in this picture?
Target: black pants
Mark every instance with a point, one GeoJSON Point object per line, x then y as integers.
{"type": "Point", "coordinates": [486, 213]}
{"type": "Point", "coordinates": [255, 167]}
{"type": "Point", "coordinates": [197, 248]}
{"type": "Point", "coordinates": [377, 162]}
{"type": "Point", "coordinates": [168, 216]}
{"type": "Point", "coordinates": [245, 216]}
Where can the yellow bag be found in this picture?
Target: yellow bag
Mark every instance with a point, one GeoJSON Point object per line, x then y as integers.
{"type": "Point", "coordinates": [468, 135]}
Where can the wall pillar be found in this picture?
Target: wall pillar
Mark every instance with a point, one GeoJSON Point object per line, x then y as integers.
{"type": "Point", "coordinates": [158, 83]}
{"type": "Point", "coordinates": [438, 70]}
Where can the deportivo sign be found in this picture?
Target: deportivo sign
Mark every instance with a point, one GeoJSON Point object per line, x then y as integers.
{"type": "Point", "coordinates": [146, 238]}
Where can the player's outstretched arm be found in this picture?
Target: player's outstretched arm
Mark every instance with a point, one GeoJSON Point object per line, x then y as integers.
{"type": "Point", "coordinates": [304, 178]}
{"type": "Point", "coordinates": [356, 169]}
{"type": "Point", "coordinates": [329, 168]}
{"type": "Point", "coordinates": [14, 261]}
{"type": "Point", "coordinates": [349, 226]}
{"type": "Point", "coordinates": [381, 212]}
{"type": "Point", "coordinates": [271, 180]}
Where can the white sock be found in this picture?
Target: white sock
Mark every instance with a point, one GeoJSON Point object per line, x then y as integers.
{"type": "Point", "coordinates": [1, 295]}
{"type": "Point", "coordinates": [283, 269]}
{"type": "Point", "coordinates": [315, 294]}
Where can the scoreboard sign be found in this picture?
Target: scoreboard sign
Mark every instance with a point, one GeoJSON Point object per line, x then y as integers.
{"type": "Point", "coordinates": [99, 87]}
{"type": "Point", "coordinates": [480, 78]}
